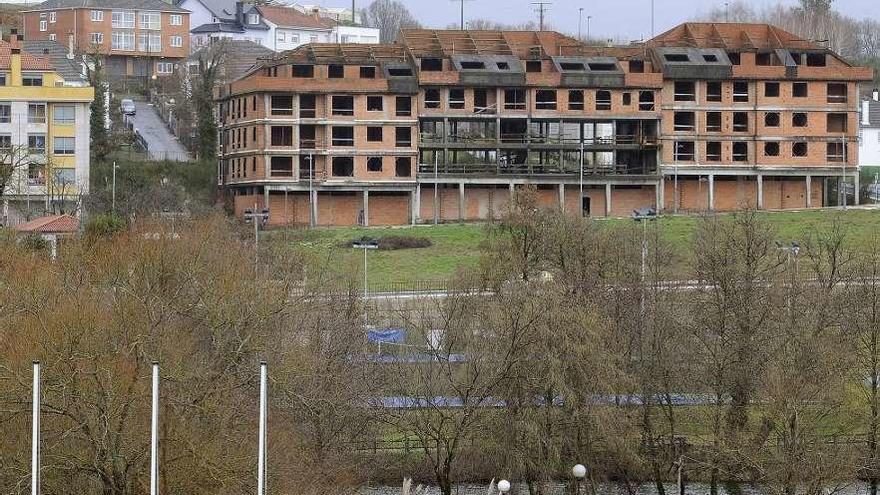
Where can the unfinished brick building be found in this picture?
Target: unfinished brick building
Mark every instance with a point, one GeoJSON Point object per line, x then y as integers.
{"type": "Point", "coordinates": [446, 125]}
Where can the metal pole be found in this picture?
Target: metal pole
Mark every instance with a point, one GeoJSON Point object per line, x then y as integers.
{"type": "Point", "coordinates": [35, 434]}
{"type": "Point", "coordinates": [436, 205]}
{"type": "Point", "coordinates": [256, 230]}
{"type": "Point", "coordinates": [652, 19]}
{"type": "Point", "coordinates": [462, 15]}
{"type": "Point", "coordinates": [843, 170]}
{"type": "Point", "coordinates": [580, 18]}
{"type": "Point", "coordinates": [581, 180]}
{"type": "Point", "coordinates": [113, 203]}
{"type": "Point", "coordinates": [589, 17]}
{"type": "Point", "coordinates": [261, 455]}
{"type": "Point", "coordinates": [365, 276]}
{"type": "Point", "coordinates": [644, 260]}
{"type": "Point", "coordinates": [311, 193]}
{"type": "Point", "coordinates": [154, 434]}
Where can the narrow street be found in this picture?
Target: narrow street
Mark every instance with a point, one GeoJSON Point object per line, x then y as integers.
{"type": "Point", "coordinates": [161, 143]}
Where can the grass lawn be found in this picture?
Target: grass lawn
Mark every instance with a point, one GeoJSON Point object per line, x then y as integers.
{"type": "Point", "coordinates": [457, 246]}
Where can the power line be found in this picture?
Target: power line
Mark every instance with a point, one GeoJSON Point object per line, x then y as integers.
{"type": "Point", "coordinates": [540, 8]}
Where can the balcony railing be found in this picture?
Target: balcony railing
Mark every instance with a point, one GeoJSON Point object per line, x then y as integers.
{"type": "Point", "coordinates": [536, 169]}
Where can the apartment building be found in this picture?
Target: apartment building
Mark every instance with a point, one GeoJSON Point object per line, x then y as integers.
{"type": "Point", "coordinates": [702, 117]}
{"type": "Point", "coordinates": [44, 130]}
{"type": "Point", "coordinates": [139, 37]}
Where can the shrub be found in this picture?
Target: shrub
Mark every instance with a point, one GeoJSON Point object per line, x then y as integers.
{"type": "Point", "coordinates": [395, 242]}
{"type": "Point", "coordinates": [105, 225]}
{"type": "Point", "coordinates": [34, 242]}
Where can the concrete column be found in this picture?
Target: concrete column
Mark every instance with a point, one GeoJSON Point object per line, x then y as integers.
{"type": "Point", "coordinates": [315, 206]}
{"type": "Point", "coordinates": [562, 197]}
{"type": "Point", "coordinates": [265, 196]}
{"type": "Point", "coordinates": [809, 194]}
{"type": "Point", "coordinates": [711, 192]}
{"type": "Point", "coordinates": [607, 199]}
{"type": "Point", "coordinates": [856, 185]}
{"type": "Point", "coordinates": [366, 208]}
{"type": "Point", "coordinates": [417, 204]}
{"type": "Point", "coordinates": [760, 192]}
{"type": "Point", "coordinates": [461, 201]}
{"type": "Point", "coordinates": [660, 193]}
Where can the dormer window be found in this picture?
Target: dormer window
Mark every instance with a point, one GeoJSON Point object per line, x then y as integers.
{"type": "Point", "coordinates": [253, 18]}
{"type": "Point", "coordinates": [677, 57]}
{"type": "Point", "coordinates": [472, 64]}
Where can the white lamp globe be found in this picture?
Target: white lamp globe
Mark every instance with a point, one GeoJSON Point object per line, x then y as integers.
{"type": "Point", "coordinates": [503, 486]}
{"type": "Point", "coordinates": [579, 471]}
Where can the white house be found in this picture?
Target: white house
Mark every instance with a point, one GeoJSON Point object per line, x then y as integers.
{"type": "Point", "coordinates": [275, 27]}
{"type": "Point", "coordinates": [869, 132]}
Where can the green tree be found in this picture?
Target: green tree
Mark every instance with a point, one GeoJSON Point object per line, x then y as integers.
{"type": "Point", "coordinates": [210, 61]}
{"type": "Point", "coordinates": [98, 121]}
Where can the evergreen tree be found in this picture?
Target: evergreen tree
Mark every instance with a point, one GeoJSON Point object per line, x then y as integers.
{"type": "Point", "coordinates": [100, 146]}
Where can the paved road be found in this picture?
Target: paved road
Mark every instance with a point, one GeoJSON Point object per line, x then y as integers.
{"type": "Point", "coordinates": [161, 142]}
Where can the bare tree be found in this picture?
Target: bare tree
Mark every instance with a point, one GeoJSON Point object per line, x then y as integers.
{"type": "Point", "coordinates": [389, 16]}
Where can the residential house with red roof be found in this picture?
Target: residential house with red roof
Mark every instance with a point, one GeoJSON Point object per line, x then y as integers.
{"type": "Point", "coordinates": [276, 27]}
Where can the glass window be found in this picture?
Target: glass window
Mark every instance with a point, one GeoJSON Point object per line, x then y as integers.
{"type": "Point", "coordinates": [36, 113]}
{"type": "Point", "coordinates": [149, 43]}
{"type": "Point", "coordinates": [64, 114]}
{"type": "Point", "coordinates": [64, 146]}
{"type": "Point", "coordinates": [122, 41]}
{"type": "Point", "coordinates": [97, 38]}
{"type": "Point", "coordinates": [97, 15]}
{"type": "Point", "coordinates": [150, 20]}
{"type": "Point", "coordinates": [176, 41]}
{"type": "Point", "coordinates": [37, 143]}
{"type": "Point", "coordinates": [5, 141]}
{"type": "Point", "coordinates": [374, 164]}
{"type": "Point", "coordinates": [175, 20]}
{"type": "Point", "coordinates": [5, 113]}
{"type": "Point", "coordinates": [123, 19]}
{"type": "Point", "coordinates": [32, 80]}
{"type": "Point", "coordinates": [2, 79]}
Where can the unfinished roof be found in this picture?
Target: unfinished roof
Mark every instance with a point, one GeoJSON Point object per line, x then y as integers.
{"type": "Point", "coordinates": [422, 43]}
{"type": "Point", "coordinates": [342, 53]}
{"type": "Point", "coordinates": [731, 36]}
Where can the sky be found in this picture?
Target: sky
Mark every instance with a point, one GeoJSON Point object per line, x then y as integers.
{"type": "Point", "coordinates": [622, 20]}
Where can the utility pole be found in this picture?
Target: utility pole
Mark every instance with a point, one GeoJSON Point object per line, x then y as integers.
{"type": "Point", "coordinates": [154, 434]}
{"type": "Point", "coordinates": [113, 200]}
{"type": "Point", "coordinates": [589, 18]}
{"type": "Point", "coordinates": [261, 443]}
{"type": "Point", "coordinates": [35, 432]}
{"type": "Point", "coordinates": [541, 7]}
{"type": "Point", "coordinates": [461, 11]}
{"type": "Point", "coordinates": [353, 15]}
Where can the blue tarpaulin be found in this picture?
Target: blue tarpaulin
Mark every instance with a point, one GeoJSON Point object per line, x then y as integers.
{"type": "Point", "coordinates": [387, 335]}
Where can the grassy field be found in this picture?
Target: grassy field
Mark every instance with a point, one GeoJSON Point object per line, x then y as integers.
{"type": "Point", "coordinates": [457, 246]}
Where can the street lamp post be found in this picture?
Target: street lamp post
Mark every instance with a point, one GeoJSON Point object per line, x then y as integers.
{"type": "Point", "coordinates": [580, 18]}
{"type": "Point", "coordinates": [579, 471]}
{"type": "Point", "coordinates": [644, 215]}
{"type": "Point", "coordinates": [589, 18]}
{"type": "Point", "coordinates": [366, 246]}
{"type": "Point", "coordinates": [311, 190]}
{"type": "Point", "coordinates": [113, 193]}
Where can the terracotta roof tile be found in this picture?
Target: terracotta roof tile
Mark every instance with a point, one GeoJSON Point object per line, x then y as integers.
{"type": "Point", "coordinates": [29, 61]}
{"type": "Point", "coordinates": [61, 224]}
{"type": "Point", "coordinates": [290, 17]}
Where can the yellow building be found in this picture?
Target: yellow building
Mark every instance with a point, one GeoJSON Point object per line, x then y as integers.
{"type": "Point", "coordinates": [44, 129]}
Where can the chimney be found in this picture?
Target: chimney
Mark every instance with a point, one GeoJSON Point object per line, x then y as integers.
{"type": "Point", "coordinates": [15, 65]}
{"type": "Point", "coordinates": [876, 94]}
{"type": "Point", "coordinates": [13, 36]}
{"type": "Point", "coordinates": [866, 112]}
{"type": "Point", "coordinates": [69, 46]}
{"type": "Point", "coordinates": [239, 13]}
{"type": "Point", "coordinates": [316, 13]}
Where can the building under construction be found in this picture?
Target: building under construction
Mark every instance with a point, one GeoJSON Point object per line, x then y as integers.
{"type": "Point", "coordinates": [445, 125]}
